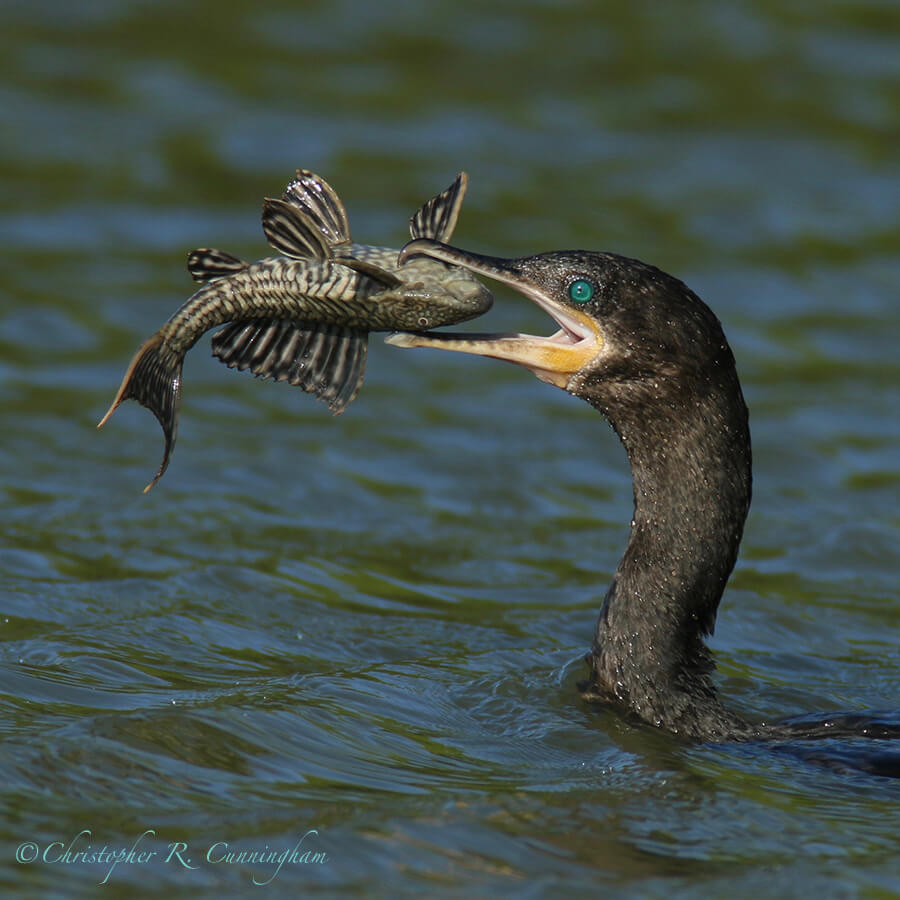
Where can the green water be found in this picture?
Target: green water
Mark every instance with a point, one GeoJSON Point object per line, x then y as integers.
{"type": "Point", "coordinates": [372, 626]}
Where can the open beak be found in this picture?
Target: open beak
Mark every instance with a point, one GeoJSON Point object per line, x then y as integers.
{"type": "Point", "coordinates": [554, 359]}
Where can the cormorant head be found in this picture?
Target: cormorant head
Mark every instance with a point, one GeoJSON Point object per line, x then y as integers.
{"type": "Point", "coordinates": [628, 332]}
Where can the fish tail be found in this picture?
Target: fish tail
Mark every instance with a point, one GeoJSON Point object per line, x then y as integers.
{"type": "Point", "coordinates": [154, 380]}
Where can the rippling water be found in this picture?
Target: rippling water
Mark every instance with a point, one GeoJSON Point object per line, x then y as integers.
{"type": "Point", "coordinates": [370, 627]}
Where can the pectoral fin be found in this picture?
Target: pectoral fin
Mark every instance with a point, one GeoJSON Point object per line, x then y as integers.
{"type": "Point", "coordinates": [327, 361]}
{"type": "Point", "coordinates": [384, 278]}
{"type": "Point", "coordinates": [437, 218]}
{"type": "Point", "coordinates": [206, 264]}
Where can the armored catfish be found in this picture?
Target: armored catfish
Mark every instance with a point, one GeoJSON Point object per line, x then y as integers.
{"type": "Point", "coordinates": [304, 317]}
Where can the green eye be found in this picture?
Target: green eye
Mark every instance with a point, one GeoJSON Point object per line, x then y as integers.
{"type": "Point", "coordinates": [581, 291]}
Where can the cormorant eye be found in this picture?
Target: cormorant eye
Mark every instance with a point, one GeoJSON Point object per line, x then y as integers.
{"type": "Point", "coordinates": [581, 291]}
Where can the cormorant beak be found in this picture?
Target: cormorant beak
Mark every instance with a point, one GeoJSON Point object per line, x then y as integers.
{"type": "Point", "coordinates": [554, 359]}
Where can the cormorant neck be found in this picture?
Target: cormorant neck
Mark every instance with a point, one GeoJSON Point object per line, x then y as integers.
{"type": "Point", "coordinates": [689, 448]}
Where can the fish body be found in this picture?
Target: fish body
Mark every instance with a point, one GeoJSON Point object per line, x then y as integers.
{"type": "Point", "coordinates": [304, 317]}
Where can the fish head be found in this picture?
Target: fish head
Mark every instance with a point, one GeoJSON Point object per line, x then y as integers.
{"type": "Point", "coordinates": [442, 294]}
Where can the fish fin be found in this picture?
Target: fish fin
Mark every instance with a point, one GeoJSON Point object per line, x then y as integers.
{"type": "Point", "coordinates": [292, 232]}
{"type": "Point", "coordinates": [385, 278]}
{"type": "Point", "coordinates": [318, 200]}
{"type": "Point", "coordinates": [327, 361]}
{"type": "Point", "coordinates": [153, 379]}
{"type": "Point", "coordinates": [352, 360]}
{"type": "Point", "coordinates": [205, 264]}
{"type": "Point", "coordinates": [437, 218]}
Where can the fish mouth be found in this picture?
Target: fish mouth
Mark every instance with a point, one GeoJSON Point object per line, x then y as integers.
{"type": "Point", "coordinates": [555, 359]}
{"type": "Point", "coordinates": [472, 298]}
{"type": "Point", "coordinates": [450, 294]}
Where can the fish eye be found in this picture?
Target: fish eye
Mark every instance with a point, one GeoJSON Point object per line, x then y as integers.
{"type": "Point", "coordinates": [581, 291]}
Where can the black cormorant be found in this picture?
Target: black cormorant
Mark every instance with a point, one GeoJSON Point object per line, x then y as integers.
{"type": "Point", "coordinates": [648, 353]}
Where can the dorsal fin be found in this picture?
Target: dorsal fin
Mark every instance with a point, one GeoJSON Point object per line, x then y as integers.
{"type": "Point", "coordinates": [437, 218]}
{"type": "Point", "coordinates": [326, 360]}
{"type": "Point", "coordinates": [292, 232]}
{"type": "Point", "coordinates": [205, 263]}
{"type": "Point", "coordinates": [315, 198]}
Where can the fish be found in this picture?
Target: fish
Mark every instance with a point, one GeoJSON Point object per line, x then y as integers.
{"type": "Point", "coordinates": [304, 316]}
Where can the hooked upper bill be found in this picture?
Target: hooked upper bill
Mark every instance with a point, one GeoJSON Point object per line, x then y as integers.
{"type": "Point", "coordinates": [554, 359]}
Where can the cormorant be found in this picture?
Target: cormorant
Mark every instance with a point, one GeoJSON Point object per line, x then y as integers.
{"type": "Point", "coordinates": [649, 354]}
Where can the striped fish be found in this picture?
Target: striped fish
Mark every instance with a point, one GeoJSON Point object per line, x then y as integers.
{"type": "Point", "coordinates": [304, 317]}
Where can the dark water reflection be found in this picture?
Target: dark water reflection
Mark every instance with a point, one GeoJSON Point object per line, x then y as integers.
{"type": "Point", "coordinates": [372, 626]}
